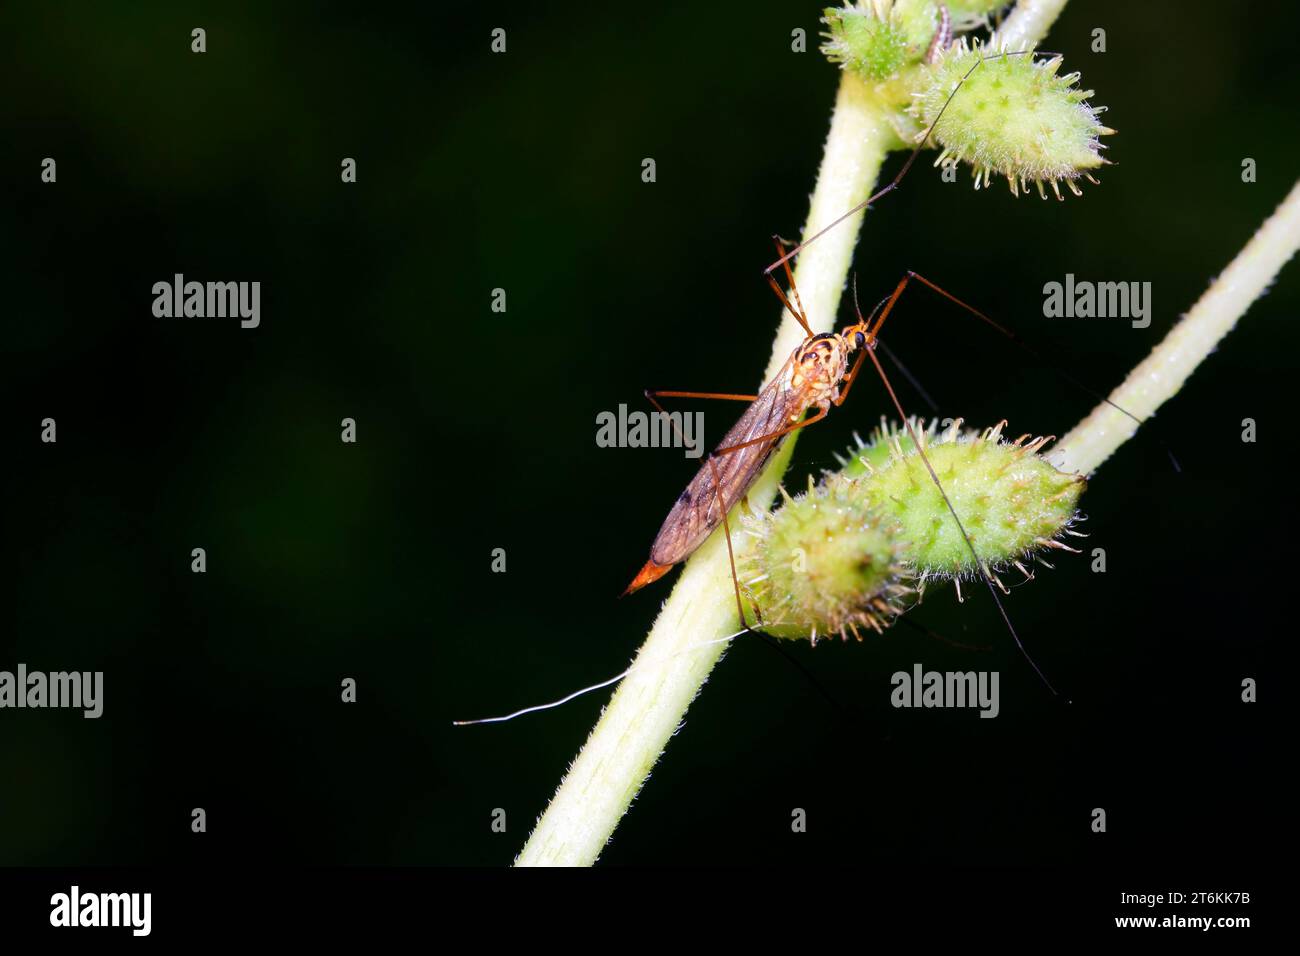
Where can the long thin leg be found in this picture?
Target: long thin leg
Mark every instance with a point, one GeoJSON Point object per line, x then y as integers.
{"type": "Point", "coordinates": [731, 554]}
{"type": "Point", "coordinates": [1012, 336]}
{"type": "Point", "coordinates": [652, 396]}
{"type": "Point", "coordinates": [821, 413]}
{"type": "Point", "coordinates": [717, 491]}
{"type": "Point", "coordinates": [984, 572]}
{"type": "Point", "coordinates": [911, 379]}
{"type": "Point", "coordinates": [797, 312]}
{"type": "Point", "coordinates": [789, 275]}
{"type": "Point", "coordinates": [893, 183]}
{"type": "Point", "coordinates": [789, 281]}
{"type": "Point", "coordinates": [869, 350]}
{"type": "Point", "coordinates": [653, 393]}
{"type": "Point", "coordinates": [852, 376]}
{"type": "Point", "coordinates": [886, 303]}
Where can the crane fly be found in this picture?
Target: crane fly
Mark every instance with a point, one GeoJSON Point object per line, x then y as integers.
{"type": "Point", "coordinates": [816, 376]}
{"type": "Point", "coordinates": [810, 378]}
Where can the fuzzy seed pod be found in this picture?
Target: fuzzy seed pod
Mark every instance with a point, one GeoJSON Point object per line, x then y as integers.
{"type": "Point", "coordinates": [1013, 116]}
{"type": "Point", "coordinates": [878, 38]}
{"type": "Point", "coordinates": [824, 565]}
{"type": "Point", "coordinates": [851, 554]}
{"type": "Point", "coordinates": [1012, 503]}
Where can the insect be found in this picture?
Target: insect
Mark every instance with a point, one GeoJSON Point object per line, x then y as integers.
{"type": "Point", "coordinates": [816, 376]}
{"type": "Point", "coordinates": [819, 374]}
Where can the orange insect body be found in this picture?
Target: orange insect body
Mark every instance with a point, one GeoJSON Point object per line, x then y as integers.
{"type": "Point", "coordinates": [810, 378]}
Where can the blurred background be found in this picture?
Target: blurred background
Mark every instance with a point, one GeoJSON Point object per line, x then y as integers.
{"type": "Point", "coordinates": [476, 431]}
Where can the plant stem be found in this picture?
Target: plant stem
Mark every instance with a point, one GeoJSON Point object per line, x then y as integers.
{"type": "Point", "coordinates": [1027, 25]}
{"type": "Point", "coordinates": [1160, 376]}
{"type": "Point", "coordinates": [651, 701]}
{"type": "Point", "coordinates": [649, 704]}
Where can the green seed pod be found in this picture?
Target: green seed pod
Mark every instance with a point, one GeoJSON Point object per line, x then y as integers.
{"type": "Point", "coordinates": [851, 553]}
{"type": "Point", "coordinates": [1013, 116]}
{"type": "Point", "coordinates": [823, 565]}
{"type": "Point", "coordinates": [1012, 503]}
{"type": "Point", "coordinates": [878, 38]}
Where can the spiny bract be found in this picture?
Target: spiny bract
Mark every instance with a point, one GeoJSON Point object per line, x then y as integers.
{"type": "Point", "coordinates": [1013, 116]}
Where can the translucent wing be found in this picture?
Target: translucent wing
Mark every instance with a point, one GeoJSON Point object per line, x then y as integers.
{"type": "Point", "coordinates": [696, 513]}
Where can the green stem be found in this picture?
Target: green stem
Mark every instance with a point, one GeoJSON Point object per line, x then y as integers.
{"type": "Point", "coordinates": [685, 642]}
{"type": "Point", "coordinates": [1160, 376]}
{"type": "Point", "coordinates": [649, 704]}
{"type": "Point", "coordinates": [1027, 25]}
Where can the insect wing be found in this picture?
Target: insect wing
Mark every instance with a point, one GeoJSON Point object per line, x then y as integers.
{"type": "Point", "coordinates": [696, 513]}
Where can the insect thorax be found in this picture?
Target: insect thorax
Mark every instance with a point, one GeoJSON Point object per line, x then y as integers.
{"type": "Point", "coordinates": [818, 365]}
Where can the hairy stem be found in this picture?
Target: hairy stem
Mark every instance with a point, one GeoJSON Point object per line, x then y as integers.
{"type": "Point", "coordinates": [1160, 376]}
{"type": "Point", "coordinates": [1027, 25]}
{"type": "Point", "coordinates": [649, 705]}
{"type": "Point", "coordinates": [683, 645]}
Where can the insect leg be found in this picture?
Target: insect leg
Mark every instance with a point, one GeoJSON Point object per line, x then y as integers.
{"type": "Point", "coordinates": [652, 393]}
{"type": "Point", "coordinates": [912, 380]}
{"type": "Point", "coordinates": [717, 491]}
{"type": "Point", "coordinates": [800, 316]}
{"type": "Point", "coordinates": [1003, 330]}
{"type": "Point", "coordinates": [731, 554]}
{"type": "Point", "coordinates": [780, 433]}
{"type": "Point", "coordinates": [934, 476]}
{"type": "Point", "coordinates": [893, 183]}
{"type": "Point", "coordinates": [984, 572]}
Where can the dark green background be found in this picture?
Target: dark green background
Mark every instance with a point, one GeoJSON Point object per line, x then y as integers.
{"type": "Point", "coordinates": [476, 431]}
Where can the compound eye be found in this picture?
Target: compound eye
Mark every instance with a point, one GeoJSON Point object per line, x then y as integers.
{"type": "Point", "coordinates": [860, 339]}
